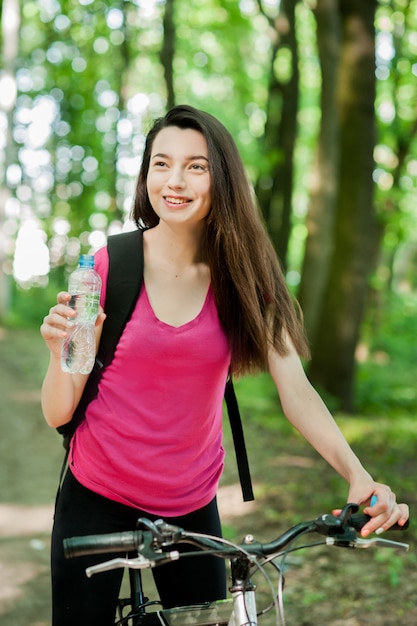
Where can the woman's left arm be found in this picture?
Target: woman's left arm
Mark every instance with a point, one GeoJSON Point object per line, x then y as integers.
{"type": "Point", "coordinates": [306, 411]}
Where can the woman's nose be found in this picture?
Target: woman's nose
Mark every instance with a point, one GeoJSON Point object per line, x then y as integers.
{"type": "Point", "coordinates": [176, 178]}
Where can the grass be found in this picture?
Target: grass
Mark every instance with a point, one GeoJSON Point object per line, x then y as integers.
{"type": "Point", "coordinates": [291, 483]}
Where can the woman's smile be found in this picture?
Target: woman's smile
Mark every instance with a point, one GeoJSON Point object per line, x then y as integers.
{"type": "Point", "coordinates": [176, 200]}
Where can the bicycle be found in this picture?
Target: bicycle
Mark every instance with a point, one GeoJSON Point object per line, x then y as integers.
{"type": "Point", "coordinates": [155, 543]}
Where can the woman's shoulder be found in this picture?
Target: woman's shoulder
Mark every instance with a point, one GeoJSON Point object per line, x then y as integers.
{"type": "Point", "coordinates": [101, 260]}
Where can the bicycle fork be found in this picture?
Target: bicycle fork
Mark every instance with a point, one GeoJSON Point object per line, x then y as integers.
{"type": "Point", "coordinates": [243, 595]}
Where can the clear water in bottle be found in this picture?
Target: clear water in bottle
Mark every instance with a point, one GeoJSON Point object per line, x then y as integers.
{"type": "Point", "coordinates": [79, 347]}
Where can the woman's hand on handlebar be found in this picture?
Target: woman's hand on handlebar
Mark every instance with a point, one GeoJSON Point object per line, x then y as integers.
{"type": "Point", "coordinates": [385, 512]}
{"type": "Point", "coordinates": [384, 509]}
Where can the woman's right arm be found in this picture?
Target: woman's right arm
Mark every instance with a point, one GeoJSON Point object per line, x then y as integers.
{"type": "Point", "coordinates": [61, 392]}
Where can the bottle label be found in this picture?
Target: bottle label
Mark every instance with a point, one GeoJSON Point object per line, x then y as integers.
{"type": "Point", "coordinates": [86, 305]}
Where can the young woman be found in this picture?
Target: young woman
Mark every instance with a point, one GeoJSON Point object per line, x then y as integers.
{"type": "Point", "coordinates": [213, 299]}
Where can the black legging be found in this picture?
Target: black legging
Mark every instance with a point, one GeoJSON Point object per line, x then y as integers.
{"type": "Point", "coordinates": [82, 601]}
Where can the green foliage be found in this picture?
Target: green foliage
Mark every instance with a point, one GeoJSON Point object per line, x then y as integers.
{"type": "Point", "coordinates": [395, 154]}
{"type": "Point", "coordinates": [31, 305]}
{"type": "Point", "coordinates": [385, 375]}
{"type": "Point", "coordinates": [386, 383]}
{"type": "Point", "coordinates": [393, 566]}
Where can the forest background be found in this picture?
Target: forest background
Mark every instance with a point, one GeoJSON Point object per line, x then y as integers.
{"type": "Point", "coordinates": [320, 96]}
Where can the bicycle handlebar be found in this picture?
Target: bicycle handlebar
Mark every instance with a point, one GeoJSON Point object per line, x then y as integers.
{"type": "Point", "coordinates": [98, 544]}
{"type": "Point", "coordinates": [150, 543]}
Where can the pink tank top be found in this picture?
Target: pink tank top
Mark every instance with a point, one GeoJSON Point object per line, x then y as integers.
{"type": "Point", "coordinates": [152, 439]}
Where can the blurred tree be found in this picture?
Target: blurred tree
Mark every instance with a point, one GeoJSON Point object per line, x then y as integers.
{"type": "Point", "coordinates": [274, 187]}
{"type": "Point", "coordinates": [325, 175]}
{"type": "Point", "coordinates": [167, 52]}
{"type": "Point", "coordinates": [342, 307]}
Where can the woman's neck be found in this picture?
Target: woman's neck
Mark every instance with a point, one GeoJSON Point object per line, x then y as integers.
{"type": "Point", "coordinates": [178, 247]}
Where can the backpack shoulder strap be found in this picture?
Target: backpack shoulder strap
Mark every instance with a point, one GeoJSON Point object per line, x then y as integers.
{"type": "Point", "coordinates": [239, 441]}
{"type": "Point", "coordinates": [124, 281]}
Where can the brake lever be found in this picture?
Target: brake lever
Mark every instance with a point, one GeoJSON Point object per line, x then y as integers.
{"type": "Point", "coordinates": [359, 542]}
{"type": "Point", "coordinates": [163, 534]}
{"type": "Point", "coordinates": [381, 543]}
{"type": "Point", "coordinates": [332, 525]}
{"type": "Point", "coordinates": [139, 562]}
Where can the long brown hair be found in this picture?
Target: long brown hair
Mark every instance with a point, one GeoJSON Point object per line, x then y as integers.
{"type": "Point", "coordinates": [254, 304]}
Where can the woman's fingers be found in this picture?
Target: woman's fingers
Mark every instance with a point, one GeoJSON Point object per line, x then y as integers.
{"type": "Point", "coordinates": [384, 511]}
{"type": "Point", "coordinates": [58, 320]}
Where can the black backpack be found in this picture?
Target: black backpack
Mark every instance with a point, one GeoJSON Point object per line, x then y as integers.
{"type": "Point", "coordinates": [123, 285]}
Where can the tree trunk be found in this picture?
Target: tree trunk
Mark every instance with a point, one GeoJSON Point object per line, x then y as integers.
{"type": "Point", "coordinates": [274, 187]}
{"type": "Point", "coordinates": [333, 354]}
{"type": "Point", "coordinates": [322, 211]}
{"type": "Point", "coordinates": [168, 51]}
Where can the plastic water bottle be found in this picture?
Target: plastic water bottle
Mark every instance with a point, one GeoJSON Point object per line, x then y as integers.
{"type": "Point", "coordinates": [79, 347]}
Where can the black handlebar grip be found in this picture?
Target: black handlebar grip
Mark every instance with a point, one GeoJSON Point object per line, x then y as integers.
{"type": "Point", "coordinates": [100, 544]}
{"type": "Point", "coordinates": [359, 520]}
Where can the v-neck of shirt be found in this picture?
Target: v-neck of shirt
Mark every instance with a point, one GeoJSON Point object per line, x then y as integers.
{"type": "Point", "coordinates": [191, 322]}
